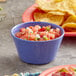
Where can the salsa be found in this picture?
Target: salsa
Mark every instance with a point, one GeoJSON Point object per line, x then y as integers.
{"type": "Point", "coordinates": [38, 33]}
{"type": "Point", "coordinates": [70, 71]}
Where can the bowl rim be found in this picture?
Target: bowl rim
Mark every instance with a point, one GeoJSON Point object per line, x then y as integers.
{"type": "Point", "coordinates": [62, 35]}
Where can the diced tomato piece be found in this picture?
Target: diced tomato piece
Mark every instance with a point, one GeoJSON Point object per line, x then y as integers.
{"type": "Point", "coordinates": [30, 27]}
{"type": "Point", "coordinates": [52, 36]}
{"type": "Point", "coordinates": [63, 74]}
{"type": "Point", "coordinates": [71, 69]}
{"type": "Point", "coordinates": [57, 34]}
{"type": "Point", "coordinates": [68, 74]}
{"type": "Point", "coordinates": [32, 37]}
{"type": "Point", "coordinates": [34, 29]}
{"type": "Point", "coordinates": [41, 39]}
{"type": "Point", "coordinates": [24, 36]}
{"type": "Point", "coordinates": [18, 34]}
{"type": "Point", "coordinates": [57, 30]}
{"type": "Point", "coordinates": [48, 35]}
{"type": "Point", "coordinates": [35, 33]}
{"type": "Point", "coordinates": [42, 29]}
{"type": "Point", "coordinates": [51, 31]}
{"type": "Point", "coordinates": [26, 30]}
{"type": "Point", "coordinates": [37, 26]}
{"type": "Point", "coordinates": [42, 34]}
{"type": "Point", "coordinates": [22, 30]}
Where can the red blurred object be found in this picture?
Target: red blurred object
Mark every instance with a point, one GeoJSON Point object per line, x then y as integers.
{"type": "Point", "coordinates": [18, 34]}
{"type": "Point", "coordinates": [28, 17]}
{"type": "Point", "coordinates": [42, 29]}
{"type": "Point", "coordinates": [50, 71]}
{"type": "Point", "coordinates": [22, 30]}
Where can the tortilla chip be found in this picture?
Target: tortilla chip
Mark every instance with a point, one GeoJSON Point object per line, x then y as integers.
{"type": "Point", "coordinates": [58, 0]}
{"type": "Point", "coordinates": [46, 17]}
{"type": "Point", "coordinates": [67, 6]}
{"type": "Point", "coordinates": [70, 19]}
{"type": "Point", "coordinates": [71, 27]}
{"type": "Point", "coordinates": [70, 24]}
{"type": "Point", "coordinates": [57, 12]}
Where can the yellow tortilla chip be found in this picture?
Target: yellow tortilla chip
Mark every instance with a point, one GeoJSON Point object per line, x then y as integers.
{"type": "Point", "coordinates": [45, 17]}
{"type": "Point", "coordinates": [70, 19]}
{"type": "Point", "coordinates": [70, 23]}
{"type": "Point", "coordinates": [67, 6]}
{"type": "Point", "coordinates": [58, 0]}
{"type": "Point", "coordinates": [44, 4]}
{"type": "Point", "coordinates": [70, 27]}
{"type": "Point", "coordinates": [57, 12]}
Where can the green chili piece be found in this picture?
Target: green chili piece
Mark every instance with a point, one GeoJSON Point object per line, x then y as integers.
{"type": "Point", "coordinates": [45, 38]}
{"type": "Point", "coordinates": [48, 28]}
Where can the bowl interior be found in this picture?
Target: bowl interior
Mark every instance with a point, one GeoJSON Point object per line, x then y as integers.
{"type": "Point", "coordinates": [16, 28]}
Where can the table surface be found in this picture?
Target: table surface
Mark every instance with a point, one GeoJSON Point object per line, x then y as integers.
{"type": "Point", "coordinates": [9, 60]}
